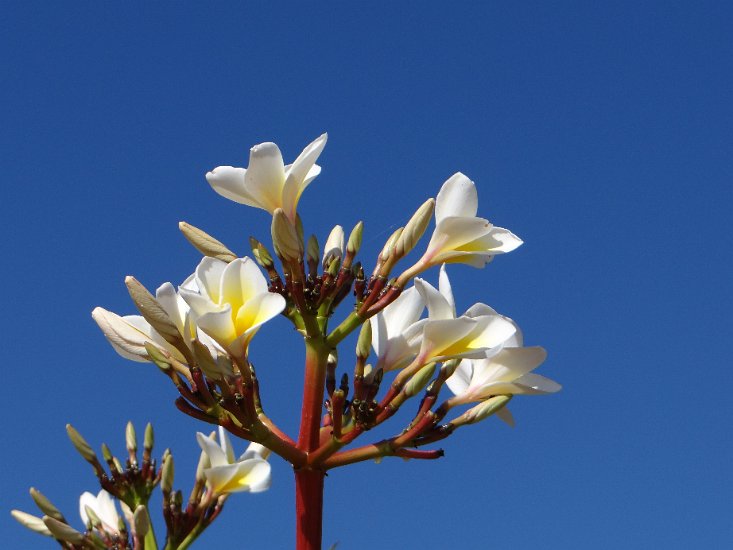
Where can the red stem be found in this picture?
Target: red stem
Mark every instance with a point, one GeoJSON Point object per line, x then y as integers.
{"type": "Point", "coordinates": [308, 508]}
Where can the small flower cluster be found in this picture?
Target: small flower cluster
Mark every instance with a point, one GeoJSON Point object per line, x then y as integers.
{"type": "Point", "coordinates": [131, 486]}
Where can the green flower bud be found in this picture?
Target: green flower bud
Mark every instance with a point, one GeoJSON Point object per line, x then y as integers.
{"type": "Point", "coordinates": [354, 243]}
{"type": "Point", "coordinates": [261, 254]}
{"type": "Point", "coordinates": [81, 445]}
{"type": "Point", "coordinates": [141, 521]}
{"type": "Point", "coordinates": [149, 438]}
{"type": "Point", "coordinates": [313, 251]}
{"type": "Point", "coordinates": [166, 481]}
{"type": "Point", "coordinates": [31, 522]}
{"type": "Point", "coordinates": [62, 531]}
{"type": "Point", "coordinates": [419, 380]}
{"type": "Point", "coordinates": [415, 228]}
{"type": "Point", "coordinates": [45, 505]}
{"type": "Point", "coordinates": [130, 438]}
{"type": "Point", "coordinates": [364, 343]}
{"type": "Point", "coordinates": [285, 238]}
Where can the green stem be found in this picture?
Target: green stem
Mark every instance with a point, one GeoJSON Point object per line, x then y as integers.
{"type": "Point", "coordinates": [192, 536]}
{"type": "Point", "coordinates": [150, 542]}
{"type": "Point", "coordinates": [347, 326]}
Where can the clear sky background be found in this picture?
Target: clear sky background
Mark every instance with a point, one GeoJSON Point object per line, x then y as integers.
{"type": "Point", "coordinates": [600, 133]}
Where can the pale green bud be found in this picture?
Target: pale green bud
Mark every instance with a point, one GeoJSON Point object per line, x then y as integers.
{"type": "Point", "coordinates": [415, 228]}
{"type": "Point", "coordinates": [94, 520]}
{"type": "Point", "coordinates": [389, 245]}
{"type": "Point", "coordinates": [149, 438]}
{"type": "Point", "coordinates": [157, 356]}
{"type": "Point", "coordinates": [141, 521]}
{"type": "Point", "coordinates": [118, 464]}
{"type": "Point", "coordinates": [485, 409]}
{"type": "Point", "coordinates": [206, 244]}
{"type": "Point", "coordinates": [285, 237]}
{"type": "Point", "coordinates": [130, 438]}
{"type": "Point", "coordinates": [31, 522]}
{"type": "Point", "coordinates": [334, 247]}
{"type": "Point", "coordinates": [45, 505]}
{"type": "Point", "coordinates": [166, 480]}
{"type": "Point", "coordinates": [261, 254]}
{"type": "Point", "coordinates": [81, 445]}
{"type": "Point", "coordinates": [419, 380]}
{"type": "Point", "coordinates": [313, 251]}
{"type": "Point", "coordinates": [62, 531]}
{"type": "Point", "coordinates": [354, 244]}
{"type": "Point", "coordinates": [364, 343]}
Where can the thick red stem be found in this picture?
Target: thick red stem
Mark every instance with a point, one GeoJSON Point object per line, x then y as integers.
{"type": "Point", "coordinates": [309, 508]}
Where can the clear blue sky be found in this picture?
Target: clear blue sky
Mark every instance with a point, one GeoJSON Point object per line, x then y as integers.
{"type": "Point", "coordinates": [600, 134]}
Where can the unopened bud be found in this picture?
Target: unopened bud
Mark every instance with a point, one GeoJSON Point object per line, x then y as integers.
{"type": "Point", "coordinates": [62, 531]}
{"type": "Point", "coordinates": [334, 247]}
{"type": "Point", "coordinates": [152, 311]}
{"type": "Point", "coordinates": [130, 438]}
{"type": "Point", "coordinates": [149, 438]}
{"type": "Point", "coordinates": [354, 244]}
{"type": "Point", "coordinates": [484, 410]}
{"type": "Point", "coordinates": [419, 380]}
{"type": "Point", "coordinates": [166, 480]}
{"type": "Point", "coordinates": [261, 254]}
{"type": "Point", "coordinates": [206, 244]}
{"type": "Point", "coordinates": [285, 237]}
{"type": "Point", "coordinates": [118, 464]}
{"type": "Point", "coordinates": [45, 505]}
{"type": "Point", "coordinates": [389, 245]}
{"type": "Point", "coordinates": [106, 453]}
{"type": "Point", "coordinates": [363, 344]}
{"type": "Point", "coordinates": [31, 522]}
{"type": "Point", "coordinates": [415, 228]}
{"type": "Point", "coordinates": [81, 445]}
{"type": "Point", "coordinates": [141, 521]}
{"type": "Point", "coordinates": [449, 367]}
{"type": "Point", "coordinates": [313, 251]}
{"type": "Point", "coordinates": [333, 267]}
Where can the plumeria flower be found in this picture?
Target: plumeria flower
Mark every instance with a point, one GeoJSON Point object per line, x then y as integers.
{"type": "Point", "coordinates": [231, 301]}
{"type": "Point", "coordinates": [129, 334]}
{"type": "Point", "coordinates": [397, 330]}
{"type": "Point", "coordinates": [103, 505]}
{"type": "Point", "coordinates": [267, 183]}
{"type": "Point", "coordinates": [250, 473]}
{"type": "Point", "coordinates": [479, 332]}
{"type": "Point", "coordinates": [459, 236]}
{"type": "Point", "coordinates": [506, 373]}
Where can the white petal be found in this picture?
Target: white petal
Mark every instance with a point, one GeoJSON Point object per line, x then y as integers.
{"type": "Point", "coordinates": [199, 305]}
{"type": "Point", "coordinates": [334, 243]}
{"type": "Point", "coordinates": [457, 197]}
{"type": "Point", "coordinates": [86, 499]}
{"type": "Point", "coordinates": [252, 475]}
{"type": "Point", "coordinates": [265, 176]}
{"type": "Point", "coordinates": [479, 309]}
{"type": "Point", "coordinates": [445, 289]}
{"type": "Point", "coordinates": [215, 453]}
{"type": "Point", "coordinates": [440, 335]}
{"type": "Point", "coordinates": [453, 232]}
{"type": "Point", "coordinates": [126, 339]}
{"type": "Point", "coordinates": [219, 325]}
{"type": "Point", "coordinates": [459, 381]}
{"type": "Point", "coordinates": [300, 174]}
{"type": "Point", "coordinates": [497, 241]}
{"type": "Point", "coordinates": [208, 278]}
{"type": "Point", "coordinates": [226, 445]}
{"type": "Point", "coordinates": [229, 183]}
{"type": "Point", "coordinates": [255, 450]}
{"type": "Point", "coordinates": [257, 311]}
{"type": "Point", "coordinates": [492, 331]}
{"type": "Point", "coordinates": [106, 509]}
{"type": "Point", "coordinates": [505, 415]}
{"type": "Point", "coordinates": [536, 383]}
{"type": "Point", "coordinates": [170, 301]}
{"type": "Point", "coordinates": [403, 312]}
{"type": "Point", "coordinates": [438, 306]}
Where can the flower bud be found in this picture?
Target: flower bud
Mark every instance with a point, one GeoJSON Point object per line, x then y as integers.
{"type": "Point", "coordinates": [363, 344]}
{"type": "Point", "coordinates": [153, 312]}
{"type": "Point", "coordinates": [106, 453]}
{"type": "Point", "coordinates": [141, 521]}
{"type": "Point", "coordinates": [334, 247]}
{"type": "Point", "coordinates": [166, 480]}
{"type": "Point", "coordinates": [149, 438]}
{"type": "Point", "coordinates": [354, 244]}
{"type": "Point", "coordinates": [419, 380]}
{"type": "Point", "coordinates": [483, 410]}
{"type": "Point", "coordinates": [130, 438]}
{"type": "Point", "coordinates": [389, 245]}
{"type": "Point", "coordinates": [285, 238]}
{"type": "Point", "coordinates": [261, 254]}
{"type": "Point", "coordinates": [81, 445]}
{"type": "Point", "coordinates": [157, 356]}
{"type": "Point", "coordinates": [45, 505]}
{"type": "Point", "coordinates": [415, 228]}
{"type": "Point", "coordinates": [31, 522]}
{"type": "Point", "coordinates": [313, 252]}
{"type": "Point", "coordinates": [206, 244]}
{"type": "Point", "coordinates": [62, 531]}
{"type": "Point", "coordinates": [93, 518]}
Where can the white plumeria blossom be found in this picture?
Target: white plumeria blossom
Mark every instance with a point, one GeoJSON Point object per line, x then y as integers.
{"type": "Point", "coordinates": [231, 301]}
{"type": "Point", "coordinates": [129, 334]}
{"type": "Point", "coordinates": [104, 506]}
{"type": "Point", "coordinates": [508, 372]}
{"type": "Point", "coordinates": [250, 473]}
{"type": "Point", "coordinates": [267, 182]}
{"type": "Point", "coordinates": [479, 332]}
{"type": "Point", "coordinates": [397, 330]}
{"type": "Point", "coordinates": [460, 236]}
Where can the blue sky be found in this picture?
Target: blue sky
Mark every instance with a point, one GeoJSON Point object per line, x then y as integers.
{"type": "Point", "coordinates": [600, 134]}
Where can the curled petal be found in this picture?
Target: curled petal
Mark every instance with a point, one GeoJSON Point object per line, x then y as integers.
{"type": "Point", "coordinates": [457, 197]}
{"type": "Point", "coordinates": [251, 475]}
{"type": "Point", "coordinates": [229, 183]}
